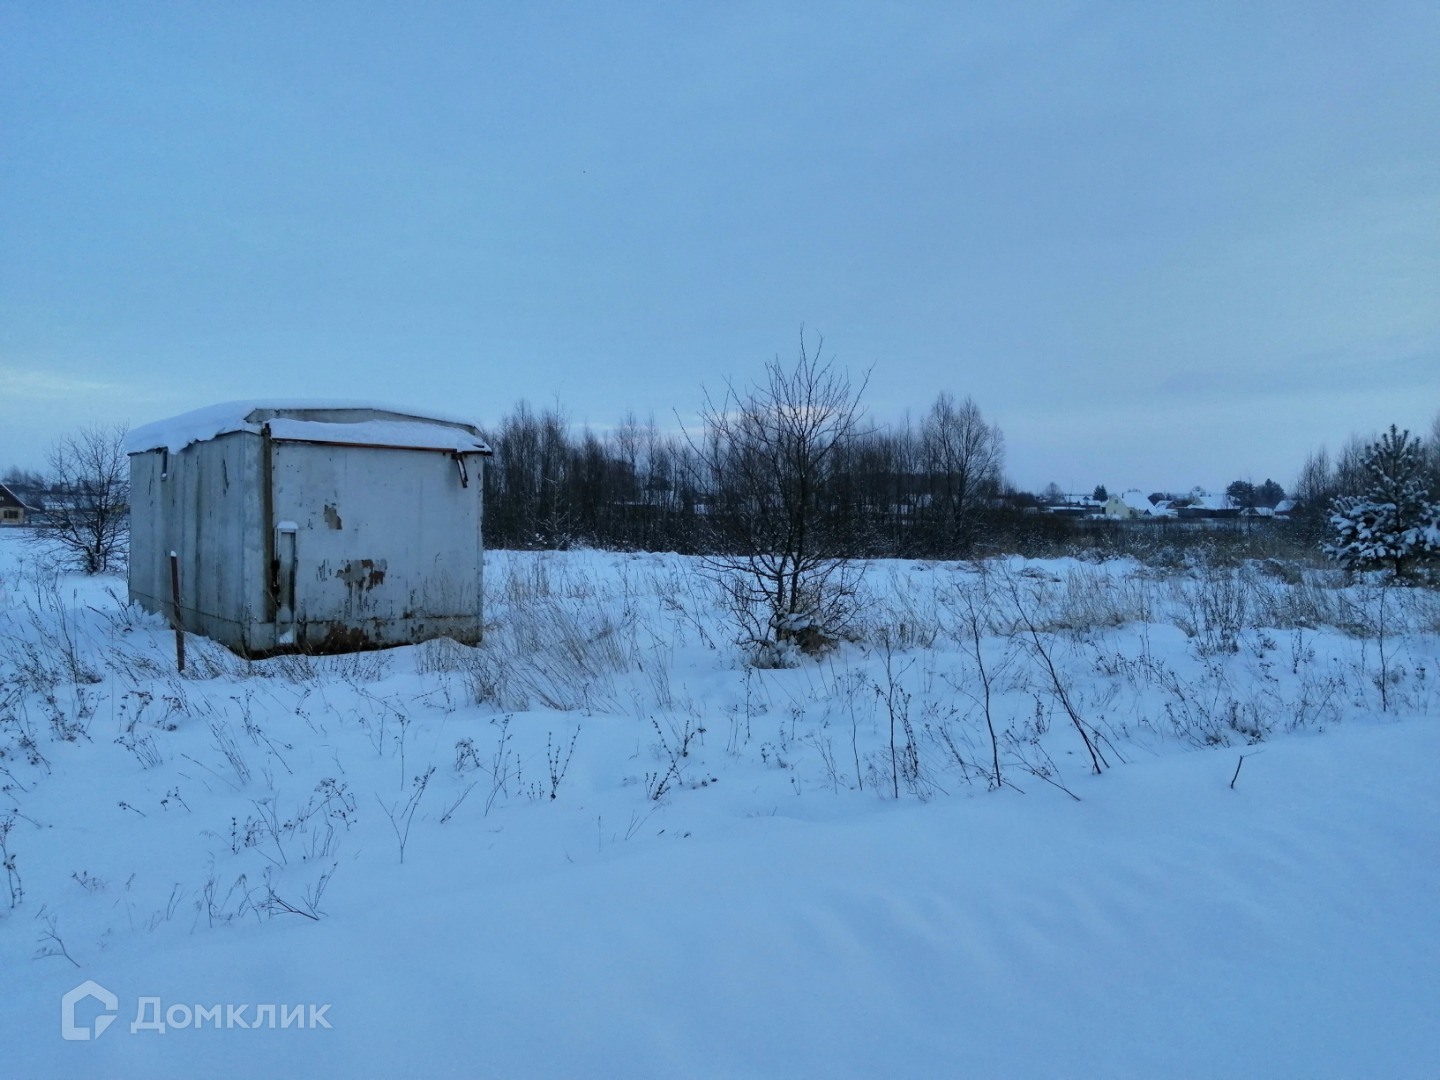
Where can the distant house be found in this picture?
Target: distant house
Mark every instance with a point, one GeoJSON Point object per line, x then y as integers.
{"type": "Point", "coordinates": [1117, 509]}
{"type": "Point", "coordinates": [13, 510]}
{"type": "Point", "coordinates": [1075, 505]}
{"type": "Point", "coordinates": [309, 526]}
{"type": "Point", "coordinates": [1128, 505]}
{"type": "Point", "coordinates": [1202, 504]}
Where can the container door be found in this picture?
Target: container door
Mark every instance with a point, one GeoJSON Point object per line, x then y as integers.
{"type": "Point", "coordinates": [285, 564]}
{"type": "Point", "coordinates": [385, 537]}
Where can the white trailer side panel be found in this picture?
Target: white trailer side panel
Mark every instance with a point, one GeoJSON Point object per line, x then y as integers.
{"type": "Point", "coordinates": [200, 503]}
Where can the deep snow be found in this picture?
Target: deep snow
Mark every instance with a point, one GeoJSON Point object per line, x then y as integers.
{"type": "Point", "coordinates": [776, 911]}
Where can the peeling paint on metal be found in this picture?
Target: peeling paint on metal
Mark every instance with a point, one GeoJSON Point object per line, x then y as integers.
{"type": "Point", "coordinates": [342, 639]}
{"type": "Point", "coordinates": [362, 573]}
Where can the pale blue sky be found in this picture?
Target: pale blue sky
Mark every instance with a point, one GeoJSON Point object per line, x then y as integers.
{"type": "Point", "coordinates": [1161, 244]}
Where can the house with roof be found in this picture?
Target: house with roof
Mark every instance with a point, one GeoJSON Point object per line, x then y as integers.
{"type": "Point", "coordinates": [1164, 508]}
{"type": "Point", "coordinates": [1128, 505]}
{"type": "Point", "coordinates": [1075, 505]}
{"type": "Point", "coordinates": [1203, 504]}
{"type": "Point", "coordinates": [13, 509]}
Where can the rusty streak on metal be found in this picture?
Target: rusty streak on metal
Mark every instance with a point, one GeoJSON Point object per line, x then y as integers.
{"type": "Point", "coordinates": [178, 619]}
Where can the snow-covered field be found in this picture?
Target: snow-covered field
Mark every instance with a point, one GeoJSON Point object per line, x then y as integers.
{"type": "Point", "coordinates": [604, 845]}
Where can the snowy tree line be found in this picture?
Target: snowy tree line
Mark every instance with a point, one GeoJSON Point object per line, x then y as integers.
{"type": "Point", "coordinates": [926, 489]}
{"type": "Point", "coordinates": [932, 488]}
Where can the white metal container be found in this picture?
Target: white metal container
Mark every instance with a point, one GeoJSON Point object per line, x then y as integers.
{"type": "Point", "coordinates": [310, 526]}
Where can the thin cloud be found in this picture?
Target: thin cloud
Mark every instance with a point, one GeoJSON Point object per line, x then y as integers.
{"type": "Point", "coordinates": [20, 384]}
{"type": "Point", "coordinates": [1306, 376]}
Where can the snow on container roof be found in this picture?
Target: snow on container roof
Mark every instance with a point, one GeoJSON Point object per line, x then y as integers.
{"type": "Point", "coordinates": [347, 423]}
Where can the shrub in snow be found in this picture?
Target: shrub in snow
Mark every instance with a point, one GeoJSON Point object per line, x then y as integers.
{"type": "Point", "coordinates": [1394, 525]}
{"type": "Point", "coordinates": [768, 457]}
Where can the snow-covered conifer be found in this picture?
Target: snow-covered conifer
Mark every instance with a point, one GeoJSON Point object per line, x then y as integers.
{"type": "Point", "coordinates": [1394, 525]}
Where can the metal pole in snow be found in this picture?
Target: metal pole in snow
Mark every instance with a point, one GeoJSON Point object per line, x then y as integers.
{"type": "Point", "coordinates": [175, 611]}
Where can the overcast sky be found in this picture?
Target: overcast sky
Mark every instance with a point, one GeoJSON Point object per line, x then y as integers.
{"type": "Point", "coordinates": [1161, 244]}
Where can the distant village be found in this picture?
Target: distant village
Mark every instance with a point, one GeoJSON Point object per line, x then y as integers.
{"type": "Point", "coordinates": [1241, 500]}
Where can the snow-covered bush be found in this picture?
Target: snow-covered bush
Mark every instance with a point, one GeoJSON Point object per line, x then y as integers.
{"type": "Point", "coordinates": [1394, 525]}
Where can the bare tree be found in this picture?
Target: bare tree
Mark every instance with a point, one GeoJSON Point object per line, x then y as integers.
{"type": "Point", "coordinates": [89, 513]}
{"type": "Point", "coordinates": [1324, 478]}
{"type": "Point", "coordinates": [963, 456]}
{"type": "Point", "coordinates": [768, 458]}
{"type": "Point", "coordinates": [1351, 477]}
{"type": "Point", "coordinates": [526, 501]}
{"type": "Point", "coordinates": [23, 478]}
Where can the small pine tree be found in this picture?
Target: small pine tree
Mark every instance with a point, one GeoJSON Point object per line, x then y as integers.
{"type": "Point", "coordinates": [1100, 494]}
{"type": "Point", "coordinates": [1393, 525]}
